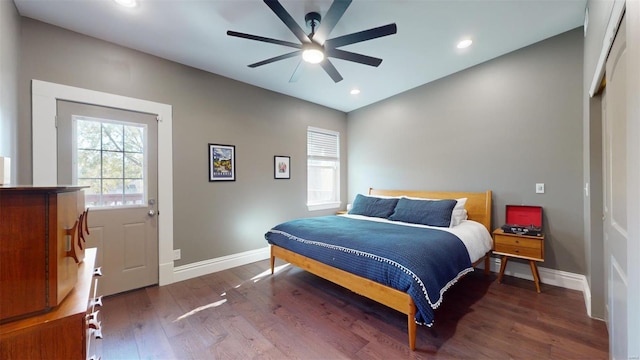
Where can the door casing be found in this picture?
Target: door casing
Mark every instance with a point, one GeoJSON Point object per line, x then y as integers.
{"type": "Point", "coordinates": [43, 111]}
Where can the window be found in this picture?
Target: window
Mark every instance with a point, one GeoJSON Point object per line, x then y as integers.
{"type": "Point", "coordinates": [323, 169]}
{"type": "Point", "coordinates": [109, 158]}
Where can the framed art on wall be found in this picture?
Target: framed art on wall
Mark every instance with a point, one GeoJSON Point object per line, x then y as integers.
{"type": "Point", "coordinates": [282, 167]}
{"type": "Point", "coordinates": [222, 162]}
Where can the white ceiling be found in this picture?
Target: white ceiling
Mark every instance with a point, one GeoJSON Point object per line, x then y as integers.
{"type": "Point", "coordinates": [193, 32]}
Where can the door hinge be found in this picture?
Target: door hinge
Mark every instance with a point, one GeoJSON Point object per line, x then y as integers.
{"type": "Point", "coordinates": [158, 118]}
{"type": "Point", "coordinates": [55, 120]}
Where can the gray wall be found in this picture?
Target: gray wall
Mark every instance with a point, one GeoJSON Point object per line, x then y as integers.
{"type": "Point", "coordinates": [503, 125]}
{"type": "Point", "coordinates": [9, 55]}
{"type": "Point", "coordinates": [211, 219]}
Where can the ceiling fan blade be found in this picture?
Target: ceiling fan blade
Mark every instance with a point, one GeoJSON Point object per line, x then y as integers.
{"type": "Point", "coordinates": [361, 36]}
{"type": "Point", "coordinates": [276, 58]}
{"type": "Point", "coordinates": [280, 12]}
{"type": "Point", "coordinates": [351, 56]}
{"type": "Point", "coordinates": [331, 70]}
{"type": "Point", "coordinates": [329, 21]}
{"type": "Point", "coordinates": [298, 71]}
{"type": "Point", "coordinates": [263, 39]}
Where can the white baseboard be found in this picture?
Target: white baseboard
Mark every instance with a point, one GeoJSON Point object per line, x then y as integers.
{"type": "Point", "coordinates": [205, 267]}
{"type": "Point", "coordinates": [559, 278]}
{"type": "Point", "coordinates": [554, 277]}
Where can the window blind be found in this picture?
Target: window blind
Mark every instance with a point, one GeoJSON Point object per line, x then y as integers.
{"type": "Point", "coordinates": [322, 144]}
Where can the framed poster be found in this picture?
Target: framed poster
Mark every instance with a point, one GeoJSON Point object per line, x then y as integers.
{"type": "Point", "coordinates": [282, 167]}
{"type": "Point", "coordinates": [222, 162]}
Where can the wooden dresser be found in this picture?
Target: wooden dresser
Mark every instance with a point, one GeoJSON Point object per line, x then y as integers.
{"type": "Point", "coordinates": [46, 274]}
{"type": "Point", "coordinates": [39, 247]}
{"type": "Point", "coordinates": [61, 333]}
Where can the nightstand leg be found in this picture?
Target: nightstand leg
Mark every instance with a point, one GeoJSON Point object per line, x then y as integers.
{"type": "Point", "coordinates": [536, 275]}
{"type": "Point", "coordinates": [503, 265]}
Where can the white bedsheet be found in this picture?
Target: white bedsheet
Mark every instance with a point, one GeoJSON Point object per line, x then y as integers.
{"type": "Point", "coordinates": [474, 235]}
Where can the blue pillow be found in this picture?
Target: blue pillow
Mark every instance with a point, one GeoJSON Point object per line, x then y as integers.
{"type": "Point", "coordinates": [373, 206]}
{"type": "Point", "coordinates": [425, 212]}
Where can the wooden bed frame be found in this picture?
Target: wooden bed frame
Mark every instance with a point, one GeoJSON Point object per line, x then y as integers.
{"type": "Point", "coordinates": [478, 207]}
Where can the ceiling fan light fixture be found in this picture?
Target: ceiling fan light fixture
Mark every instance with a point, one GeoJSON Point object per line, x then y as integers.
{"type": "Point", "coordinates": [312, 53]}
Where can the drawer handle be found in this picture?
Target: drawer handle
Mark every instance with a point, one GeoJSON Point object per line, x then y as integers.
{"type": "Point", "coordinates": [95, 302]}
{"type": "Point", "coordinates": [517, 251]}
{"type": "Point", "coordinates": [517, 241]}
{"type": "Point", "coordinates": [95, 324]}
{"type": "Point", "coordinates": [93, 315]}
{"type": "Point", "coordinates": [96, 332]}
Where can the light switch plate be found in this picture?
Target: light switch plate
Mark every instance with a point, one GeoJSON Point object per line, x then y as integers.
{"type": "Point", "coordinates": [540, 188]}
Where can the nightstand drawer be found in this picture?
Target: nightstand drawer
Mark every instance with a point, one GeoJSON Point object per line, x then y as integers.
{"type": "Point", "coordinates": [518, 246]}
{"type": "Point", "coordinates": [519, 250]}
{"type": "Point", "coordinates": [518, 241]}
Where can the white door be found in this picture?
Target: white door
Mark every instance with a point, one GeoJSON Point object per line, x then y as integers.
{"type": "Point", "coordinates": [615, 193]}
{"type": "Point", "coordinates": [114, 152]}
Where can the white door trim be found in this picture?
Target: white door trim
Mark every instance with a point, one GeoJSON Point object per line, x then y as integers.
{"type": "Point", "coordinates": [43, 114]}
{"type": "Point", "coordinates": [610, 33]}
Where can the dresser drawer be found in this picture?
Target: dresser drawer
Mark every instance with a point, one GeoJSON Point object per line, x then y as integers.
{"type": "Point", "coordinates": [519, 246]}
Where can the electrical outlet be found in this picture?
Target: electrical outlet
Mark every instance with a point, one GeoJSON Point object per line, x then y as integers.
{"type": "Point", "coordinates": [176, 254]}
{"type": "Point", "coordinates": [539, 188]}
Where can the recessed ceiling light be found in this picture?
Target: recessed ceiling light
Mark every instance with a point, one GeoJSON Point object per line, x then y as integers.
{"type": "Point", "coordinates": [127, 3]}
{"type": "Point", "coordinates": [464, 44]}
{"type": "Point", "coordinates": [354, 91]}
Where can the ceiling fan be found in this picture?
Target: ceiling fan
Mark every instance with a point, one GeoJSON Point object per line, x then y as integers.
{"type": "Point", "coordinates": [315, 48]}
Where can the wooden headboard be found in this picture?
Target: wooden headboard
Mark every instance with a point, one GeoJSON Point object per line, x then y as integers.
{"type": "Point", "coordinates": [478, 204]}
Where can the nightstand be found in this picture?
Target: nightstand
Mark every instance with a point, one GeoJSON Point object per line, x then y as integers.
{"type": "Point", "coordinates": [519, 246]}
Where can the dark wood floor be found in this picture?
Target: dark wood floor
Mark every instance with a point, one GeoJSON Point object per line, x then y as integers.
{"type": "Point", "coordinates": [246, 313]}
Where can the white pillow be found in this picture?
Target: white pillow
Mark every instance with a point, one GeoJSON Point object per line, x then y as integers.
{"type": "Point", "coordinates": [458, 214]}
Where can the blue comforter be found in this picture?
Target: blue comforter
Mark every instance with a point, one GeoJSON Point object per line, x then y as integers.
{"type": "Point", "coordinates": [422, 262]}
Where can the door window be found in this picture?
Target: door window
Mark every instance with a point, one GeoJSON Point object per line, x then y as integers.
{"type": "Point", "coordinates": [110, 158]}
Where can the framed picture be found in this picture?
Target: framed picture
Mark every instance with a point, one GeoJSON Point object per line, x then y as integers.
{"type": "Point", "coordinates": [282, 167]}
{"type": "Point", "coordinates": [222, 162]}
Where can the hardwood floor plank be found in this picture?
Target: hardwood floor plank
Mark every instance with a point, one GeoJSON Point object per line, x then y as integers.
{"type": "Point", "coordinates": [150, 338]}
{"type": "Point", "coordinates": [248, 313]}
{"type": "Point", "coordinates": [561, 343]}
{"type": "Point", "coordinates": [167, 311]}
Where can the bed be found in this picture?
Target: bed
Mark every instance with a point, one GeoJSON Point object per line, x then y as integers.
{"type": "Point", "coordinates": [374, 255]}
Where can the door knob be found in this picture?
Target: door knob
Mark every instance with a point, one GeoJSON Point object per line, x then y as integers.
{"type": "Point", "coordinates": [151, 212]}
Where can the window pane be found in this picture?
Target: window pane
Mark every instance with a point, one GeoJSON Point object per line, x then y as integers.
{"type": "Point", "coordinates": [112, 165]}
{"type": "Point", "coordinates": [112, 192]}
{"type": "Point", "coordinates": [112, 137]}
{"type": "Point", "coordinates": [89, 164]}
{"type": "Point", "coordinates": [92, 193]}
{"type": "Point", "coordinates": [133, 166]}
{"type": "Point", "coordinates": [322, 184]}
{"type": "Point", "coordinates": [110, 158]}
{"type": "Point", "coordinates": [134, 192]}
{"type": "Point", "coordinates": [88, 134]}
{"type": "Point", "coordinates": [134, 139]}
